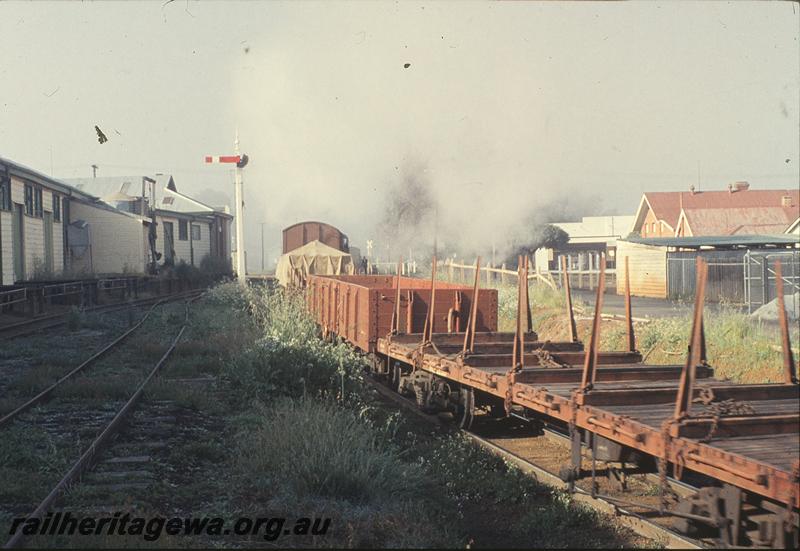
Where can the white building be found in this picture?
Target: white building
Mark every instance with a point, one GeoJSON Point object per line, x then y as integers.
{"type": "Point", "coordinates": [39, 215]}
{"type": "Point", "coordinates": [185, 229]}
{"type": "Point", "coordinates": [588, 239]}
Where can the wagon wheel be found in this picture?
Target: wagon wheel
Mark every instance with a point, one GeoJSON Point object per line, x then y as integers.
{"type": "Point", "coordinates": [497, 410]}
{"type": "Point", "coordinates": [465, 413]}
{"type": "Point", "coordinates": [397, 373]}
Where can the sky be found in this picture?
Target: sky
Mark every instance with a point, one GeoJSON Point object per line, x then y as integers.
{"type": "Point", "coordinates": [501, 109]}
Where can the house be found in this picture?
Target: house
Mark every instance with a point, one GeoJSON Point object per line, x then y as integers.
{"type": "Point", "coordinates": [738, 210]}
{"type": "Point", "coordinates": [588, 239]}
{"type": "Point", "coordinates": [181, 228]}
{"type": "Point", "coordinates": [48, 227]}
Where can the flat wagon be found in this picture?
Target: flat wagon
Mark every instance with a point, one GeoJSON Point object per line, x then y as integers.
{"type": "Point", "coordinates": [743, 441]}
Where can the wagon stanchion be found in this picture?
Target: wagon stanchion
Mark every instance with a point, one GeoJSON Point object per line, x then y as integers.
{"type": "Point", "coordinates": [573, 331]}
{"type": "Point", "coordinates": [427, 334]}
{"type": "Point", "coordinates": [693, 357]}
{"type": "Point", "coordinates": [528, 315]}
{"type": "Point", "coordinates": [591, 357]}
{"type": "Point", "coordinates": [789, 366]}
{"type": "Point", "coordinates": [518, 350]}
{"type": "Point", "coordinates": [395, 328]}
{"type": "Point", "coordinates": [628, 315]}
{"type": "Point", "coordinates": [469, 334]}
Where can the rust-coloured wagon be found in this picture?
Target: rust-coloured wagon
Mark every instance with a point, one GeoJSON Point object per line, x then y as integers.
{"type": "Point", "coordinates": [302, 233]}
{"type": "Point", "coordinates": [360, 308]}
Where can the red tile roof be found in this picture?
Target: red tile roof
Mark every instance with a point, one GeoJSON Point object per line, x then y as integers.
{"type": "Point", "coordinates": [665, 205]}
{"type": "Point", "coordinates": [751, 211]}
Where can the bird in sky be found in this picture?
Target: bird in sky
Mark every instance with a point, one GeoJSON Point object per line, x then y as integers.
{"type": "Point", "coordinates": [100, 136]}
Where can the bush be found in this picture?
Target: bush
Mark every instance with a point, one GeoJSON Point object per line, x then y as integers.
{"type": "Point", "coordinates": [215, 268]}
{"type": "Point", "coordinates": [290, 359]}
{"type": "Point", "coordinates": [187, 273]}
{"type": "Point", "coordinates": [316, 448]}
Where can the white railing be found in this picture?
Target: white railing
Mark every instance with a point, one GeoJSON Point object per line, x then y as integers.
{"type": "Point", "coordinates": [492, 274]}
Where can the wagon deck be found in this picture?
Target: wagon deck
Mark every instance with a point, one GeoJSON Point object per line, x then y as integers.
{"type": "Point", "coordinates": [631, 401]}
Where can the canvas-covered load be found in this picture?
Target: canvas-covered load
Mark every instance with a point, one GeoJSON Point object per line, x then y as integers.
{"type": "Point", "coordinates": [316, 258]}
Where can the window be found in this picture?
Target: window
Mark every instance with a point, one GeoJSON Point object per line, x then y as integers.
{"type": "Point", "coordinates": [5, 193]}
{"type": "Point", "coordinates": [56, 207]}
{"type": "Point", "coordinates": [37, 202]}
{"type": "Point", "coordinates": [195, 232]}
{"type": "Point", "coordinates": [183, 230]}
{"type": "Point", "coordinates": [29, 199]}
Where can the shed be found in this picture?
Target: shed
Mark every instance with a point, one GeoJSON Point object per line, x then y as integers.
{"type": "Point", "coordinates": [665, 267]}
{"type": "Point", "coordinates": [648, 268]}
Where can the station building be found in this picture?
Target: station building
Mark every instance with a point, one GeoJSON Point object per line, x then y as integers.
{"type": "Point", "coordinates": [50, 229]}
{"type": "Point", "coordinates": [179, 228]}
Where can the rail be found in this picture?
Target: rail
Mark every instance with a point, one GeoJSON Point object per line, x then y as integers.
{"type": "Point", "coordinates": [6, 419]}
{"type": "Point", "coordinates": [87, 459]}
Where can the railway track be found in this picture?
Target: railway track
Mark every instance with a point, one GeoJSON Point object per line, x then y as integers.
{"type": "Point", "coordinates": [93, 359]}
{"type": "Point", "coordinates": [51, 321]}
{"type": "Point", "coordinates": [738, 443]}
{"type": "Point", "coordinates": [630, 519]}
{"type": "Point", "coordinates": [76, 422]}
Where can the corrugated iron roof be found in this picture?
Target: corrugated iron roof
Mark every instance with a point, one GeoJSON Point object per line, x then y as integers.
{"type": "Point", "coordinates": [597, 229]}
{"type": "Point", "coordinates": [106, 187]}
{"type": "Point", "coordinates": [110, 188]}
{"type": "Point", "coordinates": [716, 241]}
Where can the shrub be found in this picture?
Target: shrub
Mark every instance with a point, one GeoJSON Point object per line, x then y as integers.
{"type": "Point", "coordinates": [188, 273]}
{"type": "Point", "coordinates": [74, 319]}
{"type": "Point", "coordinates": [315, 448]}
{"type": "Point", "coordinates": [215, 268]}
{"type": "Point", "coordinates": [290, 359]}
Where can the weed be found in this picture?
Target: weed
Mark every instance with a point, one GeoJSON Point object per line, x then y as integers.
{"type": "Point", "coordinates": [315, 448]}
{"type": "Point", "coordinates": [74, 319]}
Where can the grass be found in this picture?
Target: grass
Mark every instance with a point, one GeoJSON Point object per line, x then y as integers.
{"type": "Point", "coordinates": [29, 451]}
{"type": "Point", "coordinates": [740, 348]}
{"type": "Point", "coordinates": [317, 448]}
{"type": "Point", "coordinates": [323, 443]}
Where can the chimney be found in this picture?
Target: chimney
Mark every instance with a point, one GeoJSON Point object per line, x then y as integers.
{"type": "Point", "coordinates": [786, 201]}
{"type": "Point", "coordinates": [739, 186]}
{"type": "Point", "coordinates": [692, 189]}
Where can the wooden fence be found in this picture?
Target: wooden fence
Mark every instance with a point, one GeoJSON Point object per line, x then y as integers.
{"type": "Point", "coordinates": [465, 273]}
